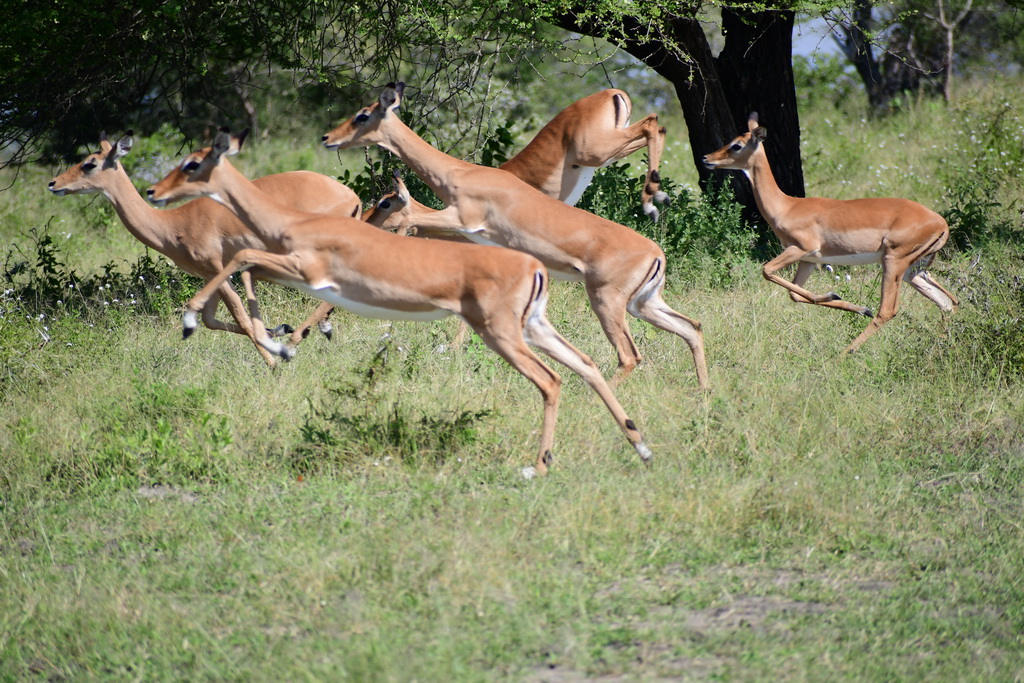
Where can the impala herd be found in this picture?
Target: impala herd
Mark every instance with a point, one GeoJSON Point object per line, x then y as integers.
{"type": "Point", "coordinates": [489, 255]}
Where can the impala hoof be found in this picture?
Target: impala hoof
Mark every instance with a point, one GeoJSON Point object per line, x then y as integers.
{"type": "Point", "coordinates": [326, 328]}
{"type": "Point", "coordinates": [644, 451]}
{"type": "Point", "coordinates": [529, 472]}
{"type": "Point", "coordinates": [651, 211]}
{"type": "Point", "coordinates": [285, 352]}
{"type": "Point", "coordinates": [280, 330]}
{"type": "Point", "coordinates": [188, 323]}
{"type": "Point", "coordinates": [868, 312]}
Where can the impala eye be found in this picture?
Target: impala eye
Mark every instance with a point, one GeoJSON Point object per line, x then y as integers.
{"type": "Point", "coordinates": [385, 204]}
{"type": "Point", "coordinates": [88, 165]}
{"type": "Point", "coordinates": [190, 166]}
{"type": "Point", "coordinates": [362, 117]}
{"type": "Point", "coordinates": [736, 147]}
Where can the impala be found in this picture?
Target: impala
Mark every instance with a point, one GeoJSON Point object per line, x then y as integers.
{"type": "Point", "coordinates": [201, 236]}
{"type": "Point", "coordinates": [592, 132]}
{"type": "Point", "coordinates": [502, 294]}
{"type": "Point", "coordinates": [900, 234]}
{"type": "Point", "coordinates": [621, 269]}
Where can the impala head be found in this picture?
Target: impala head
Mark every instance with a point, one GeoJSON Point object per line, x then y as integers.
{"type": "Point", "coordinates": [92, 172]}
{"type": "Point", "coordinates": [364, 128]}
{"type": "Point", "coordinates": [193, 176]}
{"type": "Point", "coordinates": [389, 211]}
{"type": "Point", "coordinates": [737, 153]}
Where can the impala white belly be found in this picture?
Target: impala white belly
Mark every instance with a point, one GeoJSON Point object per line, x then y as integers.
{"type": "Point", "coordinates": [584, 174]}
{"type": "Point", "coordinates": [330, 295]}
{"type": "Point", "coordinates": [476, 236]}
{"type": "Point", "coordinates": [847, 259]}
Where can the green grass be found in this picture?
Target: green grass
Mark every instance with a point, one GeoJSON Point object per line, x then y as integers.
{"type": "Point", "coordinates": [173, 510]}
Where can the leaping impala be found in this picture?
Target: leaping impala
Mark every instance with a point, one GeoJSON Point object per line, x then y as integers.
{"type": "Point", "coordinates": [897, 233]}
{"type": "Point", "coordinates": [502, 294]}
{"type": "Point", "coordinates": [621, 269]}
{"type": "Point", "coordinates": [590, 133]}
{"type": "Point", "coordinates": [201, 236]}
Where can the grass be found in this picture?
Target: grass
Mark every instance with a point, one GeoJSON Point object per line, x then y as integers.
{"type": "Point", "coordinates": [173, 510]}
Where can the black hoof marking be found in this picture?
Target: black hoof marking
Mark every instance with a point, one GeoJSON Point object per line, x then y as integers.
{"type": "Point", "coordinates": [187, 332]}
{"type": "Point", "coordinates": [548, 458]}
{"type": "Point", "coordinates": [655, 177]}
{"type": "Point", "coordinates": [305, 333]}
{"type": "Point", "coordinates": [630, 425]}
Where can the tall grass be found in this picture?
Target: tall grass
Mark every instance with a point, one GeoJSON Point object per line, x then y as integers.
{"type": "Point", "coordinates": [173, 510]}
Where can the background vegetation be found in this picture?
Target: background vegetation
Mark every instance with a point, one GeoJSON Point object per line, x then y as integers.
{"type": "Point", "coordinates": [173, 510]}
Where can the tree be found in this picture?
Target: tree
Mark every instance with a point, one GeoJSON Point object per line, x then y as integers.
{"type": "Point", "coordinates": [68, 69]}
{"type": "Point", "coordinates": [914, 46]}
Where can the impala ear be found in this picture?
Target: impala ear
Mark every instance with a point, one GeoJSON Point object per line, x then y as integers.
{"type": "Point", "coordinates": [752, 121]}
{"type": "Point", "coordinates": [123, 146]}
{"type": "Point", "coordinates": [104, 142]}
{"type": "Point", "coordinates": [401, 190]}
{"type": "Point", "coordinates": [227, 144]}
{"type": "Point", "coordinates": [760, 133]}
{"type": "Point", "coordinates": [391, 96]}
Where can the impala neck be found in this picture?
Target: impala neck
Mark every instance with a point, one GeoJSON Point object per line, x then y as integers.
{"type": "Point", "coordinates": [772, 202]}
{"type": "Point", "coordinates": [258, 211]}
{"type": "Point", "coordinates": [149, 225]}
{"type": "Point", "coordinates": [429, 163]}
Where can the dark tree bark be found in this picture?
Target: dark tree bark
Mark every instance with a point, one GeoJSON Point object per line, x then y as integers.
{"type": "Point", "coordinates": [753, 73]}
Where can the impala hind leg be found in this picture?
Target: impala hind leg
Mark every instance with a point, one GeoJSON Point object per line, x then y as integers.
{"type": "Point", "coordinates": [609, 305]}
{"type": "Point", "coordinates": [892, 274]}
{"type": "Point", "coordinates": [319, 318]}
{"type": "Point", "coordinates": [653, 309]}
{"type": "Point", "coordinates": [505, 338]}
{"type": "Point", "coordinates": [541, 334]}
{"type": "Point", "coordinates": [921, 280]}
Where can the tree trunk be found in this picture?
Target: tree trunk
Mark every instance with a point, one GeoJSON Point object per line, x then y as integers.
{"type": "Point", "coordinates": [756, 67]}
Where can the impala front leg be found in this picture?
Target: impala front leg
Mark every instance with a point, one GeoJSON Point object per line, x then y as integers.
{"type": "Point", "coordinates": [652, 192]}
{"type": "Point", "coordinates": [318, 318]}
{"type": "Point", "coordinates": [792, 254]}
{"type": "Point", "coordinates": [237, 309]}
{"type": "Point", "coordinates": [243, 260]}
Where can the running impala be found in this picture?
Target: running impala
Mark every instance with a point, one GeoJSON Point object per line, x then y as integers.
{"type": "Point", "coordinates": [900, 234]}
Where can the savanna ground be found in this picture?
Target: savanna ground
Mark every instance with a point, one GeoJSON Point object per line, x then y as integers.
{"type": "Point", "coordinates": [174, 510]}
